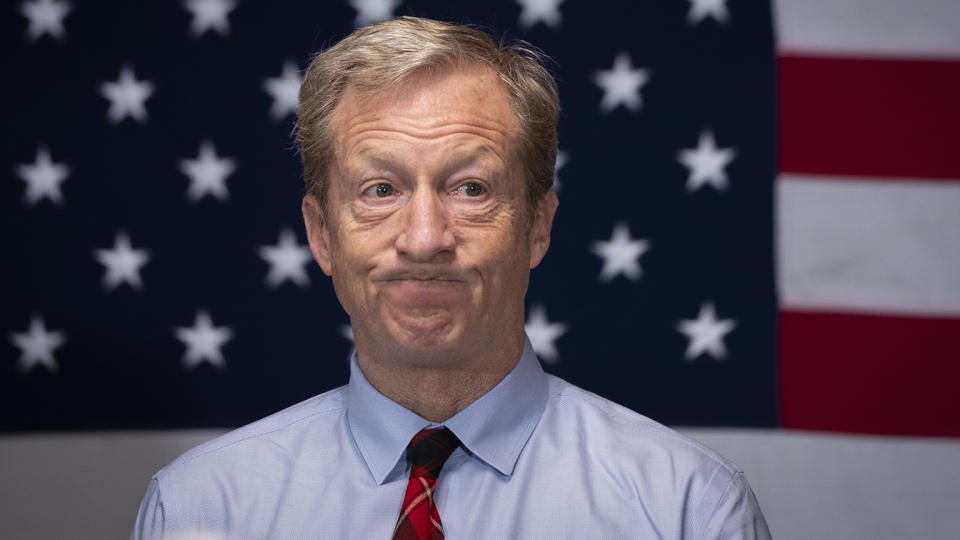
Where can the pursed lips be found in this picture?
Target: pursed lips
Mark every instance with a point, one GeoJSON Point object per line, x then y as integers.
{"type": "Point", "coordinates": [425, 277]}
{"type": "Point", "coordinates": [422, 282]}
{"type": "Point", "coordinates": [422, 290]}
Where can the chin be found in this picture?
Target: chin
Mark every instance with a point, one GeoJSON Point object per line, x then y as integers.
{"type": "Point", "coordinates": [427, 333]}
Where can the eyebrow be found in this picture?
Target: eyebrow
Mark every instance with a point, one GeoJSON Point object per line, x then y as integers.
{"type": "Point", "coordinates": [457, 158]}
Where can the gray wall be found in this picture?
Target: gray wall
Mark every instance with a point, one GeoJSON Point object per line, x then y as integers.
{"type": "Point", "coordinates": [809, 485]}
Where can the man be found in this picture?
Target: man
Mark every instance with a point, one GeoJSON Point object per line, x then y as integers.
{"type": "Point", "coordinates": [428, 153]}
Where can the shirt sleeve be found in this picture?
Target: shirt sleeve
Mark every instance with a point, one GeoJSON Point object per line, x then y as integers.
{"type": "Point", "coordinates": [150, 518]}
{"type": "Point", "coordinates": [737, 516]}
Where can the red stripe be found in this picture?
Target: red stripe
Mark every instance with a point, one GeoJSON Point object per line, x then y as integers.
{"type": "Point", "coordinates": [892, 118]}
{"type": "Point", "coordinates": [870, 374]}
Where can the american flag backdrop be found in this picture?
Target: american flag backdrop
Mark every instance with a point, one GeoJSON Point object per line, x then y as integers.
{"type": "Point", "coordinates": [759, 226]}
{"type": "Point", "coordinates": [156, 273]}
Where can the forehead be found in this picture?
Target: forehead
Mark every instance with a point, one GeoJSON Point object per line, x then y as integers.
{"type": "Point", "coordinates": [471, 99]}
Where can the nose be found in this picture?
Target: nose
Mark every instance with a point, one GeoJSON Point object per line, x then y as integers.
{"type": "Point", "coordinates": [425, 233]}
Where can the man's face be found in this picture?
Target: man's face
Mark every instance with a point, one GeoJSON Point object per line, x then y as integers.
{"type": "Point", "coordinates": [426, 238]}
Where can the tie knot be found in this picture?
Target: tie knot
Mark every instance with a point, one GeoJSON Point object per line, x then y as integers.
{"type": "Point", "coordinates": [429, 450]}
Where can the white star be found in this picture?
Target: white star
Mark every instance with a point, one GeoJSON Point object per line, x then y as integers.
{"type": "Point", "coordinates": [287, 260]}
{"type": "Point", "coordinates": [123, 263]}
{"type": "Point", "coordinates": [208, 174]}
{"type": "Point", "coordinates": [706, 163]}
{"type": "Point", "coordinates": [706, 333]}
{"type": "Point", "coordinates": [371, 11]}
{"type": "Point", "coordinates": [203, 341]}
{"type": "Point", "coordinates": [127, 96]}
{"type": "Point", "coordinates": [562, 159]}
{"type": "Point", "coordinates": [621, 254]}
{"type": "Point", "coordinates": [285, 91]}
{"type": "Point", "coordinates": [545, 11]}
{"type": "Point", "coordinates": [45, 17]}
{"type": "Point", "coordinates": [209, 15]}
{"type": "Point", "coordinates": [346, 331]}
{"type": "Point", "coordinates": [700, 9]}
{"type": "Point", "coordinates": [43, 178]}
{"type": "Point", "coordinates": [543, 334]}
{"type": "Point", "coordinates": [37, 345]}
{"type": "Point", "coordinates": [621, 85]}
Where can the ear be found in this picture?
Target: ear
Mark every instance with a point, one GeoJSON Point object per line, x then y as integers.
{"type": "Point", "coordinates": [318, 236]}
{"type": "Point", "coordinates": [540, 229]}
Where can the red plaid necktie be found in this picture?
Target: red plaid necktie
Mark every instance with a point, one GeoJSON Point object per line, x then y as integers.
{"type": "Point", "coordinates": [428, 451]}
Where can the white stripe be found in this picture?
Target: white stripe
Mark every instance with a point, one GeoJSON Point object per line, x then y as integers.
{"type": "Point", "coordinates": [865, 245]}
{"type": "Point", "coordinates": [842, 486]}
{"type": "Point", "coordinates": [906, 28]}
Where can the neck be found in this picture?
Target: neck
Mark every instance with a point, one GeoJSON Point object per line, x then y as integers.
{"type": "Point", "coordinates": [438, 386]}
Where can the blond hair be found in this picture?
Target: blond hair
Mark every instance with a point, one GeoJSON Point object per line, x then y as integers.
{"type": "Point", "coordinates": [387, 54]}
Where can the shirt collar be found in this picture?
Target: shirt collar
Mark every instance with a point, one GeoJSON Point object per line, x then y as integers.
{"type": "Point", "coordinates": [494, 428]}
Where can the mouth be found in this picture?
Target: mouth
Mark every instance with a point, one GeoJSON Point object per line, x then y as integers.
{"type": "Point", "coordinates": [421, 277]}
{"type": "Point", "coordinates": [420, 293]}
{"type": "Point", "coordinates": [426, 280]}
{"type": "Point", "coordinates": [422, 284]}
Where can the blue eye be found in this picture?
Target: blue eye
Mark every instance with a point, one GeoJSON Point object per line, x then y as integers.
{"type": "Point", "coordinates": [471, 189]}
{"type": "Point", "coordinates": [380, 190]}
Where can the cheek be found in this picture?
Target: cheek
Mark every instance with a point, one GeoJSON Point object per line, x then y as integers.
{"type": "Point", "coordinates": [358, 245]}
{"type": "Point", "coordinates": [349, 265]}
{"type": "Point", "coordinates": [502, 259]}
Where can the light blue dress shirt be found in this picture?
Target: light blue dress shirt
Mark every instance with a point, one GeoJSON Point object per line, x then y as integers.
{"type": "Point", "coordinates": [540, 458]}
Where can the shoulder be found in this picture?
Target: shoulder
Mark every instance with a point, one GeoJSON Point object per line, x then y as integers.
{"type": "Point", "coordinates": [261, 439]}
{"type": "Point", "coordinates": [633, 458]}
{"type": "Point", "coordinates": [620, 434]}
{"type": "Point", "coordinates": [229, 478]}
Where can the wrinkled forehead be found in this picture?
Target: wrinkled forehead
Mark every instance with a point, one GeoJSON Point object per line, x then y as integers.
{"type": "Point", "coordinates": [462, 105]}
{"type": "Point", "coordinates": [432, 90]}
